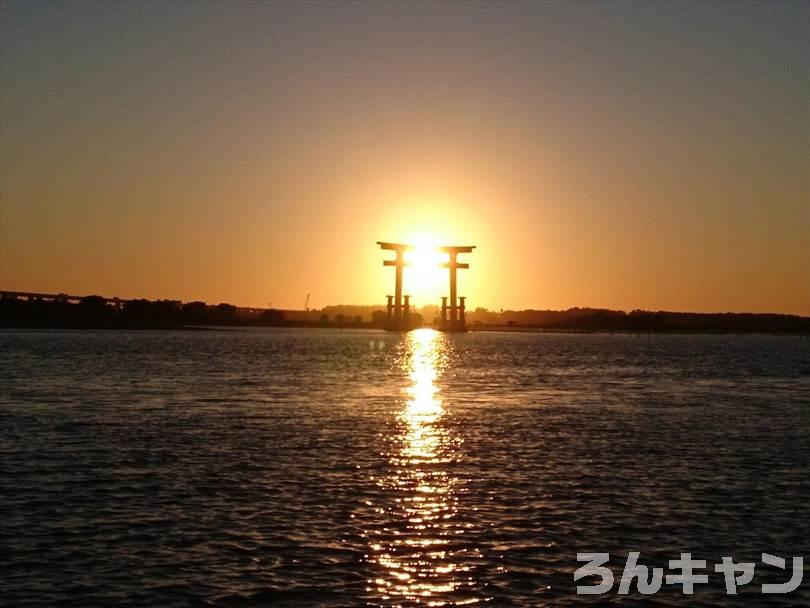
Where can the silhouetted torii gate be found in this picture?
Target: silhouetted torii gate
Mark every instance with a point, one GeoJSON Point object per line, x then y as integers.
{"type": "Point", "coordinates": [398, 315]}
{"type": "Point", "coordinates": [457, 321]}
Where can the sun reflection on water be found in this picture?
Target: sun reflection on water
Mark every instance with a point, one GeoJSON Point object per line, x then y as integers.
{"type": "Point", "coordinates": [420, 552]}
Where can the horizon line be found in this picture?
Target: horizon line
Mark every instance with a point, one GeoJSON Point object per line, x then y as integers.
{"type": "Point", "coordinates": [12, 294]}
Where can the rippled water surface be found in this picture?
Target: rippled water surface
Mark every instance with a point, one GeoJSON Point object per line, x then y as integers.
{"type": "Point", "coordinates": [323, 468]}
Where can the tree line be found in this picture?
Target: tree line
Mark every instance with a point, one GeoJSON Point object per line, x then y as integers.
{"type": "Point", "coordinates": [98, 312]}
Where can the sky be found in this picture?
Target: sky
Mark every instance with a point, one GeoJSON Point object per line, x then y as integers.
{"type": "Point", "coordinates": [619, 155]}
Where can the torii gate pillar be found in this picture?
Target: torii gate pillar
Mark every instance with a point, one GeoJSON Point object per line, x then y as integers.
{"type": "Point", "coordinates": [457, 322]}
{"type": "Point", "coordinates": [399, 320]}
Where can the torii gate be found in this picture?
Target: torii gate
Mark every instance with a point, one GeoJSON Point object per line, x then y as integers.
{"type": "Point", "coordinates": [398, 317]}
{"type": "Point", "coordinates": [457, 321]}
{"type": "Point", "coordinates": [399, 311]}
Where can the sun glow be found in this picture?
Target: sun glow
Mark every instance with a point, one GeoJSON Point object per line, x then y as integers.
{"type": "Point", "coordinates": [425, 278]}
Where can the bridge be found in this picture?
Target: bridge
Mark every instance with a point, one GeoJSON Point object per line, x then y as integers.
{"type": "Point", "coordinates": [59, 297]}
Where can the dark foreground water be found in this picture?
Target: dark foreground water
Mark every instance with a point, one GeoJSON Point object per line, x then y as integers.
{"type": "Point", "coordinates": [326, 468]}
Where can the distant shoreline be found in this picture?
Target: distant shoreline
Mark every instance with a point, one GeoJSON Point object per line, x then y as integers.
{"type": "Point", "coordinates": [369, 328]}
{"type": "Point", "coordinates": [61, 311]}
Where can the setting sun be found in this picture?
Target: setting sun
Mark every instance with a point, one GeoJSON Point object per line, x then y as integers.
{"type": "Point", "coordinates": [426, 279]}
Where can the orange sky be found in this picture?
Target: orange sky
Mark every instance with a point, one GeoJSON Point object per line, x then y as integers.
{"type": "Point", "coordinates": [611, 155]}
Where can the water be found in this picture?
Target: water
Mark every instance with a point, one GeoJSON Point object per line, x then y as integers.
{"type": "Point", "coordinates": [322, 468]}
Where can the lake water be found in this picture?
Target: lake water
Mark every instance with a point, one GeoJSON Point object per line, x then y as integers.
{"type": "Point", "coordinates": [265, 467]}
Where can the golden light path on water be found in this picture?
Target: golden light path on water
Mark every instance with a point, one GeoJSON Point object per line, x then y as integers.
{"type": "Point", "coordinates": [419, 550]}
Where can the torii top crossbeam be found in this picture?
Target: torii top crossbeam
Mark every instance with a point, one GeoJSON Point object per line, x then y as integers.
{"type": "Point", "coordinates": [394, 246]}
{"type": "Point", "coordinates": [453, 252]}
{"type": "Point", "coordinates": [400, 249]}
{"type": "Point", "coordinates": [456, 249]}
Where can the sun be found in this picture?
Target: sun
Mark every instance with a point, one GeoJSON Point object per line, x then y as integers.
{"type": "Point", "coordinates": [425, 278]}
